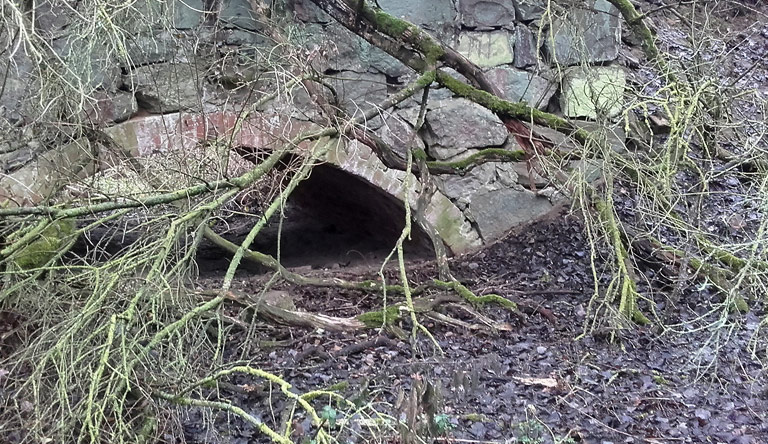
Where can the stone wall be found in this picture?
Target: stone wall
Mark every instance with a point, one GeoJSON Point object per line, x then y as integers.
{"type": "Point", "coordinates": [198, 62]}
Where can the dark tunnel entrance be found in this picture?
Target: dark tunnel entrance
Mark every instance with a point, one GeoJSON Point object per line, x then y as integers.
{"type": "Point", "coordinates": [335, 219]}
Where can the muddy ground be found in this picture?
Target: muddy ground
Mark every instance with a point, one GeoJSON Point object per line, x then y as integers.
{"type": "Point", "coordinates": [537, 378]}
{"type": "Point", "coordinates": [532, 380]}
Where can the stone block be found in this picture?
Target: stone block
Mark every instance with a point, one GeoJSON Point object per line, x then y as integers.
{"type": "Point", "coordinates": [357, 92]}
{"type": "Point", "coordinates": [384, 63]}
{"type": "Point", "coordinates": [95, 66]}
{"type": "Point", "coordinates": [333, 47]}
{"type": "Point", "coordinates": [487, 49]}
{"type": "Point", "coordinates": [526, 176]}
{"type": "Point", "coordinates": [399, 135]}
{"type": "Point", "coordinates": [238, 14]}
{"type": "Point", "coordinates": [455, 125]}
{"type": "Point", "coordinates": [522, 86]}
{"type": "Point", "coordinates": [589, 34]}
{"type": "Point", "coordinates": [12, 96]}
{"type": "Point", "coordinates": [187, 14]}
{"type": "Point", "coordinates": [589, 170]}
{"type": "Point", "coordinates": [51, 170]}
{"type": "Point", "coordinates": [526, 49]}
{"type": "Point", "coordinates": [593, 92]}
{"type": "Point", "coordinates": [611, 133]}
{"type": "Point", "coordinates": [241, 37]}
{"type": "Point", "coordinates": [110, 108]}
{"type": "Point", "coordinates": [308, 12]}
{"type": "Point", "coordinates": [166, 87]}
{"type": "Point", "coordinates": [148, 15]}
{"type": "Point", "coordinates": [487, 14]}
{"type": "Point", "coordinates": [146, 50]}
{"type": "Point", "coordinates": [529, 10]}
{"type": "Point", "coordinates": [52, 17]}
{"type": "Point", "coordinates": [480, 178]}
{"type": "Point", "coordinates": [449, 222]}
{"type": "Point", "coordinates": [496, 212]}
{"type": "Point", "coordinates": [433, 12]}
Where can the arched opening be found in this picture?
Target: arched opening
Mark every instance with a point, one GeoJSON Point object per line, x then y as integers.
{"type": "Point", "coordinates": [335, 219]}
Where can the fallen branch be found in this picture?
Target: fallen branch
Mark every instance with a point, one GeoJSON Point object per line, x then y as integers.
{"type": "Point", "coordinates": [223, 406]}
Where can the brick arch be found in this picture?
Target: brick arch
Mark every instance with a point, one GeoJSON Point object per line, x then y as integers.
{"type": "Point", "coordinates": [155, 135]}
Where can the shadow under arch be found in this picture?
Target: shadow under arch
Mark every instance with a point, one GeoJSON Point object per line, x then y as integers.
{"type": "Point", "coordinates": [334, 218]}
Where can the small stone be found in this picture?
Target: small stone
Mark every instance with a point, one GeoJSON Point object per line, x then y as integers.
{"type": "Point", "coordinates": [541, 349]}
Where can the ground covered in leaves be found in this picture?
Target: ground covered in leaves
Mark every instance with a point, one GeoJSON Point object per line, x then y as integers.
{"type": "Point", "coordinates": [531, 380]}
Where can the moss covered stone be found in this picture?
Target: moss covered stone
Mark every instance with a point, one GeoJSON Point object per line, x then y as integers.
{"type": "Point", "coordinates": [46, 246]}
{"type": "Point", "coordinates": [373, 319]}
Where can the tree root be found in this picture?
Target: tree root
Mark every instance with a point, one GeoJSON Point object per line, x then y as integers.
{"type": "Point", "coordinates": [703, 271]}
{"type": "Point", "coordinates": [623, 285]}
{"type": "Point", "coordinates": [470, 297]}
{"type": "Point", "coordinates": [298, 279]}
{"type": "Point", "coordinates": [290, 317]}
{"type": "Point", "coordinates": [387, 318]}
{"type": "Point", "coordinates": [224, 406]}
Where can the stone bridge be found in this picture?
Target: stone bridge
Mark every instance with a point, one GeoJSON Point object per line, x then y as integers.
{"type": "Point", "coordinates": [156, 103]}
{"type": "Point", "coordinates": [183, 133]}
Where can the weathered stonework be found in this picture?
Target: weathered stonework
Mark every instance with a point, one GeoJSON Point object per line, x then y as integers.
{"type": "Point", "coordinates": [455, 125]}
{"type": "Point", "coordinates": [434, 13]}
{"type": "Point", "coordinates": [146, 136]}
{"type": "Point", "coordinates": [237, 13]}
{"type": "Point", "coordinates": [593, 92]}
{"type": "Point", "coordinates": [589, 34]}
{"type": "Point", "coordinates": [487, 49]}
{"type": "Point", "coordinates": [187, 14]}
{"type": "Point", "coordinates": [359, 91]}
{"type": "Point", "coordinates": [529, 10]}
{"type": "Point", "coordinates": [110, 108]}
{"type": "Point", "coordinates": [156, 76]}
{"type": "Point", "coordinates": [166, 87]}
{"type": "Point", "coordinates": [496, 212]}
{"type": "Point", "coordinates": [522, 86]}
{"type": "Point", "coordinates": [487, 14]}
{"type": "Point", "coordinates": [399, 135]}
{"type": "Point", "coordinates": [526, 48]}
{"type": "Point", "coordinates": [39, 179]}
{"type": "Point", "coordinates": [145, 50]}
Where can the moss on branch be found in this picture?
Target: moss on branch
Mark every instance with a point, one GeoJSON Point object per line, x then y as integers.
{"type": "Point", "coordinates": [393, 27]}
{"type": "Point", "coordinates": [640, 29]}
{"type": "Point", "coordinates": [46, 245]}
{"type": "Point", "coordinates": [378, 318]}
{"type": "Point", "coordinates": [470, 297]}
{"type": "Point", "coordinates": [512, 109]}
{"type": "Point", "coordinates": [480, 157]}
